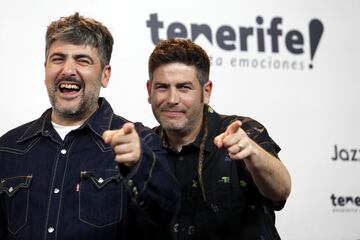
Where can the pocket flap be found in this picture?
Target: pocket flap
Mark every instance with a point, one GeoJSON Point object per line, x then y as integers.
{"type": "Point", "coordinates": [101, 177]}
{"type": "Point", "coordinates": [11, 185]}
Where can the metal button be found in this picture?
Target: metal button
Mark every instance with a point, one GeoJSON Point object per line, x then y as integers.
{"type": "Point", "coordinates": [63, 151]}
{"type": "Point", "coordinates": [100, 180]}
{"type": "Point", "coordinates": [181, 158]}
{"type": "Point", "coordinates": [56, 190]}
{"type": "Point", "coordinates": [51, 229]}
{"type": "Point", "coordinates": [11, 189]}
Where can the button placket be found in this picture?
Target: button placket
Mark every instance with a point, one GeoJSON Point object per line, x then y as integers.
{"type": "Point", "coordinates": [56, 190]}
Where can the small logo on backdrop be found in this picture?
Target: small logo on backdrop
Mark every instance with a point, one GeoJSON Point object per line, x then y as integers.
{"type": "Point", "coordinates": [345, 204]}
{"type": "Point", "coordinates": [344, 154]}
{"type": "Point", "coordinates": [240, 40]}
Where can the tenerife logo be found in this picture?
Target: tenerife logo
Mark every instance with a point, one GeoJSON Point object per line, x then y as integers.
{"type": "Point", "coordinates": [346, 154]}
{"type": "Point", "coordinates": [345, 204]}
{"type": "Point", "coordinates": [243, 40]}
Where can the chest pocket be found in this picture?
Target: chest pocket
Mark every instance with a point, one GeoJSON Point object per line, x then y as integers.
{"type": "Point", "coordinates": [17, 191]}
{"type": "Point", "coordinates": [100, 197]}
{"type": "Point", "coordinates": [229, 189]}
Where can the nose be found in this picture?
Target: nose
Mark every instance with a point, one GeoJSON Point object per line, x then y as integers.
{"type": "Point", "coordinates": [173, 96]}
{"type": "Point", "coordinates": [69, 68]}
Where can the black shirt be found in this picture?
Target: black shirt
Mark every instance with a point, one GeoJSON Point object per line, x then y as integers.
{"type": "Point", "coordinates": [232, 207]}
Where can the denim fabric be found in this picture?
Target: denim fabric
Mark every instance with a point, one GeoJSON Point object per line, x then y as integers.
{"type": "Point", "coordinates": [73, 189]}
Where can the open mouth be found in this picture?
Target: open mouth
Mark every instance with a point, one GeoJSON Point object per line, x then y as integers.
{"type": "Point", "coordinates": [69, 88]}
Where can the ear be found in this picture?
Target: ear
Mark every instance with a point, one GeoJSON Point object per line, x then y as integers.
{"type": "Point", "coordinates": [45, 72]}
{"type": "Point", "coordinates": [106, 73]}
{"type": "Point", "coordinates": [207, 91]}
{"type": "Point", "coordinates": [148, 87]}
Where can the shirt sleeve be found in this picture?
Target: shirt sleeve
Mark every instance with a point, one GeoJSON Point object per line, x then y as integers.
{"type": "Point", "coordinates": [259, 134]}
{"type": "Point", "coordinates": [150, 183]}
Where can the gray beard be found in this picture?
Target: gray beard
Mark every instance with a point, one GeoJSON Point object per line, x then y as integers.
{"type": "Point", "coordinates": [78, 113]}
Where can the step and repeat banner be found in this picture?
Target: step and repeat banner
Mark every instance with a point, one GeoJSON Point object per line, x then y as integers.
{"type": "Point", "coordinates": [292, 65]}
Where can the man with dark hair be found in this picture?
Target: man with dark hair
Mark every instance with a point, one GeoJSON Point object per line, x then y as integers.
{"type": "Point", "coordinates": [230, 176]}
{"type": "Point", "coordinates": [80, 171]}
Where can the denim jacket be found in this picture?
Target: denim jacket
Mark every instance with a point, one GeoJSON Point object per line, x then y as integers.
{"type": "Point", "coordinates": [73, 189]}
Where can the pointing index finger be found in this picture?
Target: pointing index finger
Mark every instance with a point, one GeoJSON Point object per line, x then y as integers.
{"type": "Point", "coordinates": [128, 127]}
{"type": "Point", "coordinates": [108, 135]}
{"type": "Point", "coordinates": [233, 127]}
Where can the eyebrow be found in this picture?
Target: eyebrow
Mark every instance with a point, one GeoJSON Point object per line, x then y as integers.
{"type": "Point", "coordinates": [181, 83]}
{"type": "Point", "coordinates": [56, 54]}
{"type": "Point", "coordinates": [75, 56]}
{"type": "Point", "coordinates": [184, 83]}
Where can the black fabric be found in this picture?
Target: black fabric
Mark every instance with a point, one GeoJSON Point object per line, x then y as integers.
{"type": "Point", "coordinates": [234, 209]}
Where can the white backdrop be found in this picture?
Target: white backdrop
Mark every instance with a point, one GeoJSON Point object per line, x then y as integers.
{"type": "Point", "coordinates": [310, 113]}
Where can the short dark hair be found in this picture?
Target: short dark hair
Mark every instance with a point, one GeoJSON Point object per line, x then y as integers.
{"type": "Point", "coordinates": [183, 51]}
{"type": "Point", "coordinates": [80, 30]}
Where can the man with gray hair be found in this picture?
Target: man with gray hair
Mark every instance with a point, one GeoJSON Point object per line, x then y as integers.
{"type": "Point", "coordinates": [80, 171]}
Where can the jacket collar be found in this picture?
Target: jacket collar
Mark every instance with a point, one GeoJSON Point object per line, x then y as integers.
{"type": "Point", "coordinates": [98, 122]}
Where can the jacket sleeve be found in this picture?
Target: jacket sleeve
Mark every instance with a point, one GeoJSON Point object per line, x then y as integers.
{"type": "Point", "coordinates": [3, 230]}
{"type": "Point", "coordinates": [150, 183]}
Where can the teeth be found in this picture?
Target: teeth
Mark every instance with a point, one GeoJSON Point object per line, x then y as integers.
{"type": "Point", "coordinates": [69, 86]}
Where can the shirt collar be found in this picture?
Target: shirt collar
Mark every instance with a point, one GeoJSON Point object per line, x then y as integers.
{"type": "Point", "coordinates": [213, 124]}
